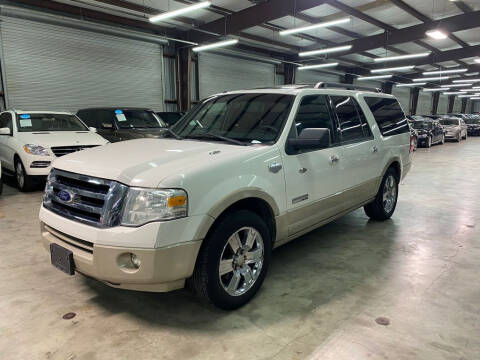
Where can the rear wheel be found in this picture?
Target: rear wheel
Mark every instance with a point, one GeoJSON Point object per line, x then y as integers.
{"type": "Point", "coordinates": [233, 261]}
{"type": "Point", "coordinates": [24, 181]}
{"type": "Point", "coordinates": [443, 139]}
{"type": "Point", "coordinates": [383, 207]}
{"type": "Point", "coordinates": [458, 138]}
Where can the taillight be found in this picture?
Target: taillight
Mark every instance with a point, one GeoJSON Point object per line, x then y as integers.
{"type": "Point", "coordinates": [412, 143]}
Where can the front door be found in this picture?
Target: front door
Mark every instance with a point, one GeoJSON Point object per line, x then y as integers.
{"type": "Point", "coordinates": [314, 179]}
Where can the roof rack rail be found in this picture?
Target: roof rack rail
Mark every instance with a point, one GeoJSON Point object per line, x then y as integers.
{"type": "Point", "coordinates": [323, 85]}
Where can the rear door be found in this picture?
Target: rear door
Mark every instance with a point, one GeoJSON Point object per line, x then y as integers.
{"type": "Point", "coordinates": [359, 151]}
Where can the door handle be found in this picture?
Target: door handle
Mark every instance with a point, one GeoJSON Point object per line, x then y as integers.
{"type": "Point", "coordinates": [374, 149]}
{"type": "Point", "coordinates": [275, 167]}
{"type": "Point", "coordinates": [334, 158]}
{"type": "Point", "coordinates": [302, 170]}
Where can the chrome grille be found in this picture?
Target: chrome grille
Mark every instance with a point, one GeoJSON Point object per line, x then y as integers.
{"type": "Point", "coordinates": [90, 200]}
{"type": "Point", "coordinates": [64, 150]}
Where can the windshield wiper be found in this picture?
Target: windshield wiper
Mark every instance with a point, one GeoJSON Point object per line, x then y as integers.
{"type": "Point", "coordinates": [219, 137]}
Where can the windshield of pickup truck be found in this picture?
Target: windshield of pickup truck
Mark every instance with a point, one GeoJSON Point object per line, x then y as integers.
{"type": "Point", "coordinates": [246, 118]}
{"type": "Point", "coordinates": [419, 125]}
{"type": "Point", "coordinates": [49, 122]}
{"type": "Point", "coordinates": [137, 119]}
{"type": "Point", "coordinates": [449, 122]}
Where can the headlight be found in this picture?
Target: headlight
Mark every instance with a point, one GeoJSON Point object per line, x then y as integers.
{"type": "Point", "coordinates": [146, 205]}
{"type": "Point", "coordinates": [35, 150]}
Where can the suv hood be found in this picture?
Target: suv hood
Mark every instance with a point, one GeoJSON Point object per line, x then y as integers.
{"type": "Point", "coordinates": [60, 138]}
{"type": "Point", "coordinates": [146, 162]}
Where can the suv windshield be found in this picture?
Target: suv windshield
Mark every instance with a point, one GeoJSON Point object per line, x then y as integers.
{"type": "Point", "coordinates": [131, 119]}
{"type": "Point", "coordinates": [422, 125]}
{"type": "Point", "coordinates": [249, 118]}
{"type": "Point", "coordinates": [49, 122]}
{"type": "Point", "coordinates": [449, 122]}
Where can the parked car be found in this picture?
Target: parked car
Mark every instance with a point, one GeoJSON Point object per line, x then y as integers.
{"type": "Point", "coordinates": [473, 126]}
{"type": "Point", "coordinates": [429, 131]}
{"type": "Point", "coordinates": [30, 141]}
{"type": "Point", "coordinates": [119, 124]}
{"type": "Point", "coordinates": [240, 174]}
{"type": "Point", "coordinates": [1, 181]}
{"type": "Point", "coordinates": [170, 118]}
{"type": "Point", "coordinates": [455, 127]}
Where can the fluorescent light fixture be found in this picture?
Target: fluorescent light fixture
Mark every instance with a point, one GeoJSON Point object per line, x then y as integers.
{"type": "Point", "coordinates": [375, 77]}
{"type": "Point", "coordinates": [439, 72]}
{"type": "Point", "coordinates": [466, 90]}
{"type": "Point", "coordinates": [401, 57]}
{"type": "Point", "coordinates": [432, 78]}
{"type": "Point", "coordinates": [215, 45]}
{"type": "Point", "coordinates": [314, 26]}
{"type": "Point", "coordinates": [472, 73]}
{"type": "Point", "coordinates": [175, 13]}
{"type": "Point", "coordinates": [376, 71]}
{"type": "Point", "coordinates": [475, 87]}
{"type": "Point", "coordinates": [415, 84]}
{"type": "Point", "coordinates": [452, 93]}
{"type": "Point", "coordinates": [436, 34]}
{"type": "Point", "coordinates": [466, 81]}
{"type": "Point", "coordinates": [456, 85]}
{"type": "Point", "coordinates": [464, 96]}
{"type": "Point", "coordinates": [434, 89]}
{"type": "Point", "coordinates": [326, 50]}
{"type": "Point", "coordinates": [477, 60]}
{"type": "Point", "coordinates": [475, 98]}
{"type": "Point", "coordinates": [318, 66]}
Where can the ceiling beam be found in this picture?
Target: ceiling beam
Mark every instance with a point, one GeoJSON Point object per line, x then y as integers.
{"type": "Point", "coordinates": [462, 6]}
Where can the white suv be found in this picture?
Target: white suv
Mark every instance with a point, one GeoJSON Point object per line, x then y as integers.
{"type": "Point", "coordinates": [30, 141]}
{"type": "Point", "coordinates": [240, 174]}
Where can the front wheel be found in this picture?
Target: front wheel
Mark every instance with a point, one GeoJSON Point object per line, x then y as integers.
{"type": "Point", "coordinates": [429, 142]}
{"type": "Point", "coordinates": [383, 207]}
{"type": "Point", "coordinates": [465, 137]}
{"type": "Point", "coordinates": [24, 181]}
{"type": "Point", "coordinates": [458, 138]}
{"type": "Point", "coordinates": [443, 139]}
{"type": "Point", "coordinates": [233, 261]}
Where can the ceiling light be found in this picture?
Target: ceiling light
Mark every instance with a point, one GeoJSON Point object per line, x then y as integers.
{"type": "Point", "coordinates": [475, 87]}
{"type": "Point", "coordinates": [318, 66]}
{"type": "Point", "coordinates": [392, 69]}
{"type": "Point", "coordinates": [456, 85]}
{"type": "Point", "coordinates": [375, 77]}
{"type": "Point", "coordinates": [477, 60]}
{"type": "Point", "coordinates": [454, 71]}
{"type": "Point", "coordinates": [326, 50]}
{"type": "Point", "coordinates": [314, 26]}
{"type": "Point", "coordinates": [175, 13]}
{"type": "Point", "coordinates": [215, 45]}
{"type": "Point", "coordinates": [475, 98]}
{"type": "Point", "coordinates": [416, 84]}
{"type": "Point", "coordinates": [464, 96]}
{"type": "Point", "coordinates": [432, 78]}
{"type": "Point", "coordinates": [437, 34]}
{"type": "Point", "coordinates": [434, 89]}
{"type": "Point", "coordinates": [401, 57]}
{"type": "Point", "coordinates": [472, 73]}
{"type": "Point", "coordinates": [452, 93]}
{"type": "Point", "coordinates": [466, 81]}
{"type": "Point", "coordinates": [466, 90]}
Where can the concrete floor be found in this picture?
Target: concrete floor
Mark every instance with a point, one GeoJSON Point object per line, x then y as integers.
{"type": "Point", "coordinates": [319, 301]}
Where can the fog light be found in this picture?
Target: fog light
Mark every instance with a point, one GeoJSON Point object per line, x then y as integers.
{"type": "Point", "coordinates": [135, 261]}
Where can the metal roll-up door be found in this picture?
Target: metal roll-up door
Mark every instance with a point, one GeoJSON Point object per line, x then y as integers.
{"type": "Point", "coordinates": [218, 73]}
{"type": "Point", "coordinates": [403, 97]}
{"type": "Point", "coordinates": [313, 77]}
{"type": "Point", "coordinates": [424, 106]}
{"type": "Point", "coordinates": [442, 105]}
{"type": "Point", "coordinates": [52, 67]}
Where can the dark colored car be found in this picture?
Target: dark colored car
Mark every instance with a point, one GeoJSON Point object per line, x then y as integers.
{"type": "Point", "coordinates": [429, 131]}
{"type": "Point", "coordinates": [473, 125]}
{"type": "Point", "coordinates": [119, 124]}
{"type": "Point", "coordinates": [170, 118]}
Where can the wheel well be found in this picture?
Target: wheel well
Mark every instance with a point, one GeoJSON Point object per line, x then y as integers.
{"type": "Point", "coordinates": [255, 205]}
{"type": "Point", "coordinates": [396, 166]}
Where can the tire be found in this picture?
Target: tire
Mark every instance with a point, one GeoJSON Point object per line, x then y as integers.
{"type": "Point", "coordinates": [429, 142]}
{"type": "Point", "coordinates": [24, 181]}
{"type": "Point", "coordinates": [1, 186]}
{"type": "Point", "coordinates": [443, 140]}
{"type": "Point", "coordinates": [458, 138]}
{"type": "Point", "coordinates": [382, 208]}
{"type": "Point", "coordinates": [232, 290]}
{"type": "Point", "coordinates": [415, 144]}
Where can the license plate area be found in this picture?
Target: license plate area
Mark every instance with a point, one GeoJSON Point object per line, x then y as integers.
{"type": "Point", "coordinates": [62, 259]}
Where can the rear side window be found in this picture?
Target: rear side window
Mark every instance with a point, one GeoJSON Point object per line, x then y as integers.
{"type": "Point", "coordinates": [389, 115]}
{"type": "Point", "coordinates": [350, 125]}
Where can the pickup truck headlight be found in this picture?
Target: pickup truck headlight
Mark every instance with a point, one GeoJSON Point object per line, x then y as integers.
{"type": "Point", "coordinates": [35, 150]}
{"type": "Point", "coordinates": [146, 205]}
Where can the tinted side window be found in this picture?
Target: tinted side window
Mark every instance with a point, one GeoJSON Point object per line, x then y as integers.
{"type": "Point", "coordinates": [313, 112]}
{"type": "Point", "coordinates": [389, 115]}
{"type": "Point", "coordinates": [86, 118]}
{"type": "Point", "coordinates": [102, 118]}
{"type": "Point", "coordinates": [366, 128]}
{"type": "Point", "coordinates": [348, 119]}
{"type": "Point", "coordinates": [6, 121]}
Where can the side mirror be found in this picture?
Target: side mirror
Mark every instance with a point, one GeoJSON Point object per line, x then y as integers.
{"type": "Point", "coordinates": [92, 129]}
{"type": "Point", "coordinates": [5, 131]}
{"type": "Point", "coordinates": [311, 139]}
{"type": "Point", "coordinates": [107, 126]}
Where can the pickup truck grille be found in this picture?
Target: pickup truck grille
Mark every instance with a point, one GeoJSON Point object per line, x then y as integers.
{"type": "Point", "coordinates": [89, 200]}
{"type": "Point", "coordinates": [64, 150]}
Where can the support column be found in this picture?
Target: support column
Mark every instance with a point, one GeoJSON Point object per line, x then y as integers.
{"type": "Point", "coordinates": [289, 73]}
{"type": "Point", "coordinates": [387, 87]}
{"type": "Point", "coordinates": [464, 105]}
{"type": "Point", "coordinates": [414, 100]}
{"type": "Point", "coordinates": [348, 79]}
{"type": "Point", "coordinates": [451, 103]}
{"type": "Point", "coordinates": [184, 85]}
{"type": "Point", "coordinates": [436, 99]}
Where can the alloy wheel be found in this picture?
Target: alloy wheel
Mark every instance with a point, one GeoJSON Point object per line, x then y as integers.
{"type": "Point", "coordinates": [20, 175]}
{"type": "Point", "coordinates": [389, 194]}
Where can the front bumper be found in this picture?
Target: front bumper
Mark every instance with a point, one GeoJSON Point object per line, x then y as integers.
{"type": "Point", "coordinates": [37, 165]}
{"type": "Point", "coordinates": [451, 136]}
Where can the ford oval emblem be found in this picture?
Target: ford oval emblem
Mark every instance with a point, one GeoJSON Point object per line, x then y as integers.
{"type": "Point", "coordinates": [65, 196]}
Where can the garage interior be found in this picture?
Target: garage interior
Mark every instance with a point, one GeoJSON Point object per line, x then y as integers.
{"type": "Point", "coordinates": [406, 288]}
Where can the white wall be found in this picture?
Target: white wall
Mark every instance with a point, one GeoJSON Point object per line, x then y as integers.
{"type": "Point", "coordinates": [403, 96]}
{"type": "Point", "coordinates": [424, 106]}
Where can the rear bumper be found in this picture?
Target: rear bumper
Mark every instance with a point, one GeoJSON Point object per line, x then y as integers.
{"type": "Point", "coordinates": [161, 269]}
